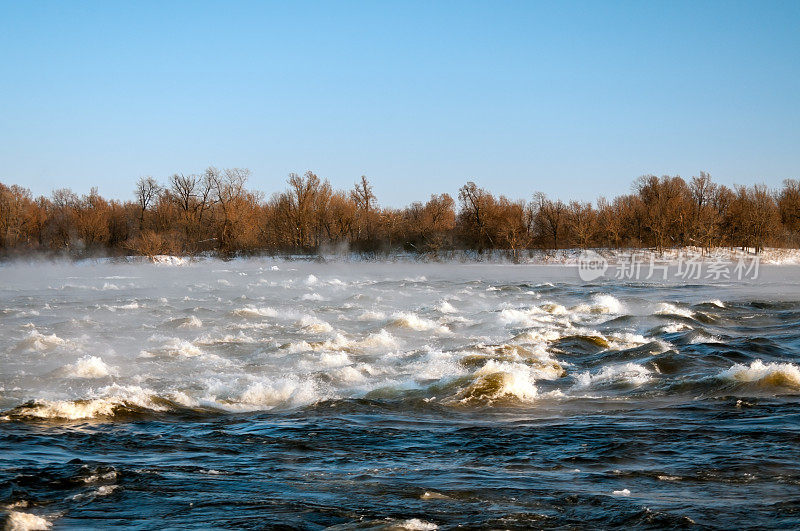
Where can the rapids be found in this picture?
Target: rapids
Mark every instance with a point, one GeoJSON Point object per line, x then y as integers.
{"type": "Point", "coordinates": [258, 393]}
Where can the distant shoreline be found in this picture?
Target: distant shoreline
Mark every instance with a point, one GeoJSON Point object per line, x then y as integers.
{"type": "Point", "coordinates": [567, 257]}
{"type": "Point", "coordinates": [215, 213]}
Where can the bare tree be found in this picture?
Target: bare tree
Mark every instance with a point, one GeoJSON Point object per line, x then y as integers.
{"type": "Point", "coordinates": [306, 208]}
{"type": "Point", "coordinates": [147, 189]}
{"type": "Point", "coordinates": [551, 217]}
{"type": "Point", "coordinates": [666, 212]}
{"type": "Point", "coordinates": [789, 205]}
{"type": "Point", "coordinates": [183, 191]}
{"type": "Point", "coordinates": [476, 204]}
{"type": "Point", "coordinates": [365, 200]}
{"type": "Point", "coordinates": [582, 222]}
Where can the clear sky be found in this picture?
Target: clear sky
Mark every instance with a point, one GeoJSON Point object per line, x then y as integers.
{"type": "Point", "coordinates": [575, 99]}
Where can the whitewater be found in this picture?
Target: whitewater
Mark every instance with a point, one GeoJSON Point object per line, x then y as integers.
{"type": "Point", "coordinates": [260, 393]}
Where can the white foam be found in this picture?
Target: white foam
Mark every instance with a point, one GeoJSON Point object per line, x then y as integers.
{"type": "Point", "coordinates": [413, 321]}
{"type": "Point", "coordinates": [240, 337]}
{"type": "Point", "coordinates": [535, 316]}
{"type": "Point", "coordinates": [378, 339]}
{"type": "Point", "coordinates": [768, 374]}
{"type": "Point", "coordinates": [666, 308]}
{"type": "Point", "coordinates": [339, 342]}
{"type": "Point", "coordinates": [415, 524]}
{"type": "Point", "coordinates": [36, 341]}
{"type": "Point", "coordinates": [191, 322]}
{"type": "Point", "coordinates": [437, 366]}
{"type": "Point", "coordinates": [446, 307]}
{"type": "Point", "coordinates": [269, 394]}
{"type": "Point", "coordinates": [372, 315]}
{"type": "Point", "coordinates": [173, 346]}
{"type": "Point", "coordinates": [626, 340]}
{"type": "Point", "coordinates": [332, 359]}
{"type": "Point", "coordinates": [433, 495]}
{"type": "Point", "coordinates": [702, 337]}
{"type": "Point", "coordinates": [502, 380]}
{"type": "Point", "coordinates": [538, 336]}
{"type": "Point", "coordinates": [126, 306]}
{"type": "Point", "coordinates": [314, 325]}
{"type": "Point", "coordinates": [606, 303]}
{"type": "Point", "coordinates": [89, 367]}
{"type": "Point", "coordinates": [674, 327]}
{"type": "Point", "coordinates": [253, 311]}
{"type": "Point", "coordinates": [19, 521]}
{"type": "Point", "coordinates": [625, 373]}
{"type": "Point", "coordinates": [602, 303]}
{"type": "Point", "coordinates": [348, 375]}
{"type": "Point", "coordinates": [112, 398]}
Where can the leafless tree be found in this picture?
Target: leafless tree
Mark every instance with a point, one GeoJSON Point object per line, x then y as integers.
{"type": "Point", "coordinates": [147, 189]}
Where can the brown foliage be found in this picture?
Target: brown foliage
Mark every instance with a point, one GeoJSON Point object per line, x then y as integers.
{"type": "Point", "coordinates": [216, 212]}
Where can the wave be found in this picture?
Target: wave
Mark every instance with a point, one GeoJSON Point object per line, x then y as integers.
{"type": "Point", "coordinates": [606, 303]}
{"type": "Point", "coordinates": [537, 358]}
{"type": "Point", "coordinates": [309, 323]}
{"type": "Point", "coordinates": [134, 305]}
{"type": "Point", "coordinates": [120, 402]}
{"type": "Point", "coordinates": [209, 339]}
{"type": "Point", "coordinates": [602, 303]}
{"type": "Point", "coordinates": [339, 342]}
{"type": "Point", "coordinates": [537, 336]}
{"type": "Point", "coordinates": [413, 321]}
{"type": "Point", "coordinates": [500, 380]}
{"type": "Point", "coordinates": [371, 315]}
{"type": "Point", "coordinates": [265, 395]}
{"type": "Point", "coordinates": [625, 374]}
{"type": "Point", "coordinates": [666, 308]}
{"type": "Point", "coordinates": [628, 340]}
{"type": "Point", "coordinates": [115, 400]}
{"type": "Point", "coordinates": [534, 316]}
{"type": "Point", "coordinates": [253, 311]}
{"type": "Point", "coordinates": [89, 367]}
{"type": "Point", "coordinates": [673, 328]}
{"type": "Point", "coordinates": [190, 322]}
{"type": "Point", "coordinates": [777, 375]}
{"type": "Point", "coordinates": [554, 308]}
{"type": "Point", "coordinates": [173, 346]}
{"type": "Point", "coordinates": [507, 373]}
{"type": "Point", "coordinates": [36, 341]}
{"type": "Point", "coordinates": [446, 307]}
{"type": "Point", "coordinates": [20, 521]}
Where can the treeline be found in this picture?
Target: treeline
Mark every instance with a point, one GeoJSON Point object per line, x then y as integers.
{"type": "Point", "coordinates": [216, 212]}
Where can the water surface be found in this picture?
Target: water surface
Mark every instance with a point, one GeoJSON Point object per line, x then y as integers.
{"type": "Point", "coordinates": [254, 393]}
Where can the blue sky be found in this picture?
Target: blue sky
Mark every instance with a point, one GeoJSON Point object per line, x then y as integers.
{"type": "Point", "coordinates": [575, 99]}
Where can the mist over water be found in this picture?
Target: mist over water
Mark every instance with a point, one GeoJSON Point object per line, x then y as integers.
{"type": "Point", "coordinates": [255, 393]}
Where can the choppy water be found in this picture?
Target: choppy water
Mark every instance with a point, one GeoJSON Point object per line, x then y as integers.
{"type": "Point", "coordinates": [255, 394]}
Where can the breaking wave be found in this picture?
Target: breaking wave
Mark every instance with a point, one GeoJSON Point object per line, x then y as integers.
{"type": "Point", "coordinates": [626, 374]}
{"type": "Point", "coordinates": [779, 375]}
{"type": "Point", "coordinates": [89, 367]}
